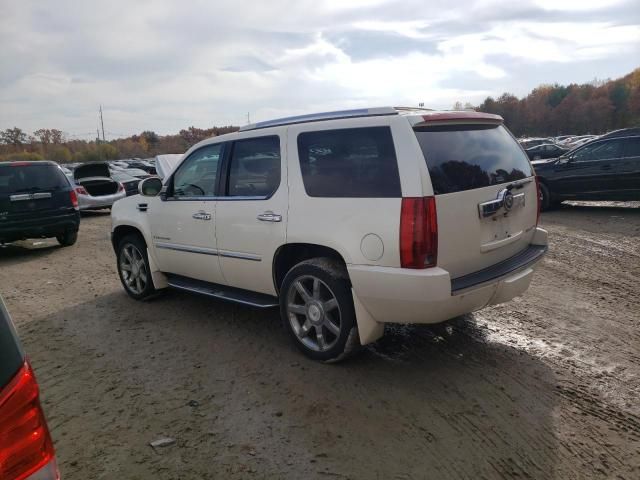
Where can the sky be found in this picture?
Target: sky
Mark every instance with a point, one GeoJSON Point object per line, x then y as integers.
{"type": "Point", "coordinates": [167, 65]}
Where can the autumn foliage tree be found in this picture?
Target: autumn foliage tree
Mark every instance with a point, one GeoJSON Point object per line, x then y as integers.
{"type": "Point", "coordinates": [594, 108]}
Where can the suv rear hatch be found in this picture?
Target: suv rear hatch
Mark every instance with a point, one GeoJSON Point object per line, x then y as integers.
{"type": "Point", "coordinates": [96, 179]}
{"type": "Point", "coordinates": [33, 189]}
{"type": "Point", "coordinates": [484, 186]}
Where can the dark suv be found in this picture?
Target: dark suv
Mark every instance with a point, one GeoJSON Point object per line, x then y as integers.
{"type": "Point", "coordinates": [26, 450]}
{"type": "Point", "coordinates": [604, 169]}
{"type": "Point", "coordinates": [37, 201]}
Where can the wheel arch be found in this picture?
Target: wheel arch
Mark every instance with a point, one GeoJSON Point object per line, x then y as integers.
{"type": "Point", "coordinates": [119, 232]}
{"type": "Point", "coordinates": [122, 231]}
{"type": "Point", "coordinates": [290, 254]}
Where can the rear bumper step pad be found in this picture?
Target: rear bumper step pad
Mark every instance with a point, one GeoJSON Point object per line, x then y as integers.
{"type": "Point", "coordinates": [530, 255]}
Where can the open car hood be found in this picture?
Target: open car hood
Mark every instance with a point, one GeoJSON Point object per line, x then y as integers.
{"type": "Point", "coordinates": [91, 170]}
{"type": "Point", "coordinates": [166, 164]}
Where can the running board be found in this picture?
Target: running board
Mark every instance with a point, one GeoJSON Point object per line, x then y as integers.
{"type": "Point", "coordinates": [223, 292]}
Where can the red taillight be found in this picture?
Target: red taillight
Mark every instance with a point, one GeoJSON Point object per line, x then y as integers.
{"type": "Point", "coordinates": [418, 232]}
{"type": "Point", "coordinates": [81, 190]}
{"type": "Point", "coordinates": [120, 187]}
{"type": "Point", "coordinates": [25, 443]}
{"type": "Point", "coordinates": [74, 199]}
{"type": "Point", "coordinates": [539, 194]}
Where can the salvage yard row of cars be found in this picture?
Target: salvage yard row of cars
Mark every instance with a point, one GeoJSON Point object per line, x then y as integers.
{"type": "Point", "coordinates": [42, 199]}
{"type": "Point", "coordinates": [604, 168]}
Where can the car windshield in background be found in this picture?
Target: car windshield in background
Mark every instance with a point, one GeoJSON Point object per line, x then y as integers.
{"type": "Point", "coordinates": [31, 178]}
{"type": "Point", "coordinates": [464, 157]}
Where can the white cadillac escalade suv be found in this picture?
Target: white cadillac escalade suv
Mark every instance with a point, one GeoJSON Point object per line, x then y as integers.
{"type": "Point", "coordinates": [345, 220]}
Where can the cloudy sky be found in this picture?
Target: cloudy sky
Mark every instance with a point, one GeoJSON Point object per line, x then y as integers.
{"type": "Point", "coordinates": [165, 65]}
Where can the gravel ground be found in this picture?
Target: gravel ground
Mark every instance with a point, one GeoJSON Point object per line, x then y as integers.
{"type": "Point", "coordinates": [546, 386]}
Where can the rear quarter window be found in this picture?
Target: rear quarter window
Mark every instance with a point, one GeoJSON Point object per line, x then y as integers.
{"type": "Point", "coordinates": [465, 157]}
{"type": "Point", "coordinates": [11, 356]}
{"type": "Point", "coordinates": [350, 162]}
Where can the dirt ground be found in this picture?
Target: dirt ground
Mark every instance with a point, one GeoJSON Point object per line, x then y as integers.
{"type": "Point", "coordinates": [546, 386]}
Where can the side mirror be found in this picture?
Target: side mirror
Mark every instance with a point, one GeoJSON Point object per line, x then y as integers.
{"type": "Point", "coordinates": [150, 187]}
{"type": "Point", "coordinates": [563, 160]}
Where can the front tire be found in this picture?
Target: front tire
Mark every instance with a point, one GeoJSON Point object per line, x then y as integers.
{"type": "Point", "coordinates": [133, 267]}
{"type": "Point", "coordinates": [67, 238]}
{"type": "Point", "coordinates": [317, 310]}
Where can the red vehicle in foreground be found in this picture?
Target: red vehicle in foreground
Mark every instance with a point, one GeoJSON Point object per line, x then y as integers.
{"type": "Point", "coordinates": [26, 449]}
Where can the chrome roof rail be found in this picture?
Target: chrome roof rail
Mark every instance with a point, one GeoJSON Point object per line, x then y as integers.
{"type": "Point", "coordinates": [316, 117]}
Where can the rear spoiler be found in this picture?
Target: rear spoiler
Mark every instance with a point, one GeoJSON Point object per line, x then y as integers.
{"type": "Point", "coordinates": [456, 117]}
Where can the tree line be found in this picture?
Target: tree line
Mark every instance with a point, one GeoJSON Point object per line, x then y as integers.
{"type": "Point", "coordinates": [548, 110]}
{"type": "Point", "coordinates": [51, 144]}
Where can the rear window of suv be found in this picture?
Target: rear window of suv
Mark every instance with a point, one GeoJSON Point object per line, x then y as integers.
{"type": "Point", "coordinates": [464, 157]}
{"type": "Point", "coordinates": [31, 178]}
{"type": "Point", "coordinates": [350, 162]}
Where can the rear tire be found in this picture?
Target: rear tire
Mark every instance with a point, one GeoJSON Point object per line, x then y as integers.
{"type": "Point", "coordinates": [317, 310]}
{"type": "Point", "coordinates": [133, 267]}
{"type": "Point", "coordinates": [67, 238]}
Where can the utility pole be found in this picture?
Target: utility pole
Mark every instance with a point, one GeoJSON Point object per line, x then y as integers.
{"type": "Point", "coordinates": [97, 135]}
{"type": "Point", "coordinates": [248, 118]}
{"type": "Point", "coordinates": [102, 123]}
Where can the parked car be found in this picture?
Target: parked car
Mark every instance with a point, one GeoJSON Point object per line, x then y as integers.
{"type": "Point", "coordinates": [339, 220]}
{"type": "Point", "coordinates": [623, 132]}
{"type": "Point", "coordinates": [533, 142]}
{"type": "Point", "coordinates": [142, 165]}
{"type": "Point", "coordinates": [37, 201]}
{"type": "Point", "coordinates": [579, 140]}
{"type": "Point", "coordinates": [136, 172]}
{"type": "Point", "coordinates": [545, 150]}
{"type": "Point", "coordinates": [130, 182]}
{"type": "Point", "coordinates": [118, 164]}
{"type": "Point", "coordinates": [26, 449]}
{"type": "Point", "coordinates": [603, 169]}
{"type": "Point", "coordinates": [95, 187]}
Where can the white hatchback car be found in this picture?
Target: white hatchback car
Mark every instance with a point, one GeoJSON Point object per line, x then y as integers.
{"type": "Point", "coordinates": [345, 220]}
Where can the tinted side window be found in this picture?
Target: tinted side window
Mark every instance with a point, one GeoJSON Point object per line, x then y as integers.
{"type": "Point", "coordinates": [585, 153]}
{"type": "Point", "coordinates": [196, 176]}
{"type": "Point", "coordinates": [600, 151]}
{"type": "Point", "coordinates": [352, 162]}
{"type": "Point", "coordinates": [254, 170]}
{"type": "Point", "coordinates": [608, 150]}
{"type": "Point", "coordinates": [632, 147]}
{"type": "Point", "coordinates": [464, 157]}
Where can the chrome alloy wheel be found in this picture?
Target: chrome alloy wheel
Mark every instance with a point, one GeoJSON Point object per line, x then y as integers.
{"type": "Point", "coordinates": [314, 313]}
{"type": "Point", "coordinates": [133, 269]}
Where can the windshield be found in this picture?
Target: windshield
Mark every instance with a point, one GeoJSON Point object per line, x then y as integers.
{"type": "Point", "coordinates": [31, 178]}
{"type": "Point", "coordinates": [464, 157]}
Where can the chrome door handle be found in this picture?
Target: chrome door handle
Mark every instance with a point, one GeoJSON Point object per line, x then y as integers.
{"type": "Point", "coordinates": [269, 217]}
{"type": "Point", "coordinates": [202, 215]}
